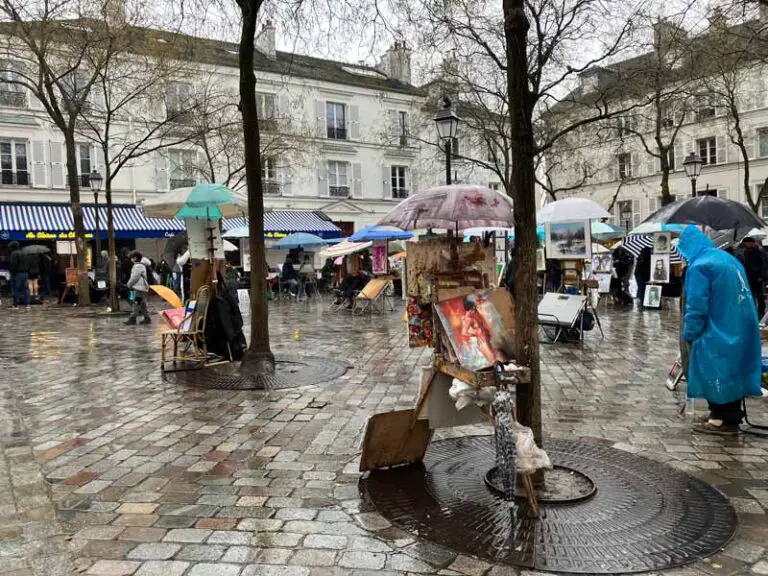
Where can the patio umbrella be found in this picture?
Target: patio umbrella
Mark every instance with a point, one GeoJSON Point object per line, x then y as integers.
{"type": "Point", "coordinates": [167, 294]}
{"type": "Point", "coordinates": [458, 206]}
{"type": "Point", "coordinates": [239, 232]}
{"type": "Point", "coordinates": [36, 249]}
{"type": "Point", "coordinates": [344, 248]}
{"type": "Point", "coordinates": [651, 227]}
{"type": "Point", "coordinates": [203, 201]}
{"type": "Point", "coordinates": [229, 247]}
{"type": "Point", "coordinates": [716, 213]}
{"type": "Point", "coordinates": [299, 240]}
{"type": "Point", "coordinates": [635, 243]}
{"type": "Point", "coordinates": [604, 231]}
{"type": "Point", "coordinates": [571, 210]}
{"type": "Point", "coordinates": [377, 232]}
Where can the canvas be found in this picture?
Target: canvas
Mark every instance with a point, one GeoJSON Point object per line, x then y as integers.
{"type": "Point", "coordinates": [662, 243]}
{"type": "Point", "coordinates": [652, 298]}
{"type": "Point", "coordinates": [602, 263]}
{"type": "Point", "coordinates": [541, 262]}
{"type": "Point", "coordinates": [660, 268]}
{"type": "Point", "coordinates": [419, 320]}
{"type": "Point", "coordinates": [379, 257]}
{"type": "Point", "coordinates": [569, 240]}
{"type": "Point", "coordinates": [475, 329]}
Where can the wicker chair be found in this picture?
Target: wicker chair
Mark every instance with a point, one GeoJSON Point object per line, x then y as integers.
{"type": "Point", "coordinates": [190, 335]}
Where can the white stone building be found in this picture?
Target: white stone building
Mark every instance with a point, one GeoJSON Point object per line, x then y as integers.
{"type": "Point", "coordinates": [620, 168]}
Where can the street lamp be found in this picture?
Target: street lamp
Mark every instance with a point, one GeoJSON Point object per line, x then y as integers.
{"type": "Point", "coordinates": [447, 124]}
{"type": "Point", "coordinates": [95, 180]}
{"type": "Point", "coordinates": [692, 165]}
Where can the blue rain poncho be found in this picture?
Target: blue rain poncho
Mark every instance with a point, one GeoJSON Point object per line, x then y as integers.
{"type": "Point", "coordinates": [720, 321]}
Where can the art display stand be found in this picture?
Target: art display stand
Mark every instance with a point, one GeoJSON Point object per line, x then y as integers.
{"type": "Point", "coordinates": [438, 270]}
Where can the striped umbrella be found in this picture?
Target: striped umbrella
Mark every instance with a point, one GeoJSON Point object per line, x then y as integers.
{"type": "Point", "coordinates": [636, 242]}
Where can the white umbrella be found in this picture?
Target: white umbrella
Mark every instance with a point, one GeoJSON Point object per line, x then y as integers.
{"type": "Point", "coordinates": [571, 210]}
{"type": "Point", "coordinates": [344, 248]}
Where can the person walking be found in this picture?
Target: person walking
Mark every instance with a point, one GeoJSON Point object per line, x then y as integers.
{"type": "Point", "coordinates": [139, 284]}
{"type": "Point", "coordinates": [642, 272]}
{"type": "Point", "coordinates": [720, 323]}
{"type": "Point", "coordinates": [18, 266]}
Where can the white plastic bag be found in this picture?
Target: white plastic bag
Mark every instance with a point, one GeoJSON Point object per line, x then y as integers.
{"type": "Point", "coordinates": [529, 456]}
{"type": "Point", "coordinates": [463, 394]}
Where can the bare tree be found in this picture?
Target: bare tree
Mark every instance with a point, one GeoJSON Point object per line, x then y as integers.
{"type": "Point", "coordinates": [259, 358]}
{"type": "Point", "coordinates": [132, 116]}
{"type": "Point", "coordinates": [56, 51]}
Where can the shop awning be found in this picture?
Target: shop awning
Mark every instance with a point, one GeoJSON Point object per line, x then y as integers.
{"type": "Point", "coordinates": [23, 221]}
{"type": "Point", "coordinates": [281, 223]}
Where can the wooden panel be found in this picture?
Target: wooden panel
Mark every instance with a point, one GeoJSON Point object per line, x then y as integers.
{"type": "Point", "coordinates": [389, 441]}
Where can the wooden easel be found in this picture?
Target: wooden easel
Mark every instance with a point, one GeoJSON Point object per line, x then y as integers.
{"type": "Point", "coordinates": [71, 283]}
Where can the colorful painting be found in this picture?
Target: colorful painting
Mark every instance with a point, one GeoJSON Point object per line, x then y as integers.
{"type": "Point", "coordinates": [541, 262]}
{"type": "Point", "coordinates": [475, 329]}
{"type": "Point", "coordinates": [419, 318]}
{"type": "Point", "coordinates": [379, 256]}
{"type": "Point", "coordinates": [569, 240]}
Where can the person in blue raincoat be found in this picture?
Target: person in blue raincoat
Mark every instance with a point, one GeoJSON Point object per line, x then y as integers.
{"type": "Point", "coordinates": [721, 325]}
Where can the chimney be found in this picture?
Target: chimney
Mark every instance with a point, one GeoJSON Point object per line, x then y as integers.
{"type": "Point", "coordinates": [396, 63]}
{"type": "Point", "coordinates": [668, 36]}
{"type": "Point", "coordinates": [265, 41]}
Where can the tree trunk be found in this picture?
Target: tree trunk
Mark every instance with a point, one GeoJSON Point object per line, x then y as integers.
{"type": "Point", "coordinates": [114, 301]}
{"type": "Point", "coordinates": [259, 355]}
{"type": "Point", "coordinates": [523, 177]}
{"type": "Point", "coordinates": [83, 290]}
{"type": "Point", "coordinates": [666, 197]}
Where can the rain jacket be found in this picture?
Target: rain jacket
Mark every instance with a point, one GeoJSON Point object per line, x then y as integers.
{"type": "Point", "coordinates": [720, 322]}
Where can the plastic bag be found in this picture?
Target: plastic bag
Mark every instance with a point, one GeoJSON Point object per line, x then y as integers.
{"type": "Point", "coordinates": [463, 395]}
{"type": "Point", "coordinates": [529, 456]}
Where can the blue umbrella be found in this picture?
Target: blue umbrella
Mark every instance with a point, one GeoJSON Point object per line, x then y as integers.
{"type": "Point", "coordinates": [299, 240]}
{"type": "Point", "coordinates": [370, 233]}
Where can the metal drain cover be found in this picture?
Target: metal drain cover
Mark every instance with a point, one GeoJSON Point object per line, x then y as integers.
{"type": "Point", "coordinates": [643, 515]}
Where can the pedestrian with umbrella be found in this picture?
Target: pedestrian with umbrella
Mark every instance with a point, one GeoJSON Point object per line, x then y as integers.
{"type": "Point", "coordinates": [34, 254]}
{"type": "Point", "coordinates": [19, 268]}
{"type": "Point", "coordinates": [720, 324]}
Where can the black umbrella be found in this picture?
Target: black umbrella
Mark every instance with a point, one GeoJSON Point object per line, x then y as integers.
{"type": "Point", "coordinates": [717, 213]}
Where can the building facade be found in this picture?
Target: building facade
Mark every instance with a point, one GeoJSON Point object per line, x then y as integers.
{"type": "Point", "coordinates": [609, 163]}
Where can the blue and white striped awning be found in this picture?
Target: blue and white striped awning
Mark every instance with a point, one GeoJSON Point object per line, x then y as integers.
{"type": "Point", "coordinates": [55, 221]}
{"type": "Point", "coordinates": [278, 223]}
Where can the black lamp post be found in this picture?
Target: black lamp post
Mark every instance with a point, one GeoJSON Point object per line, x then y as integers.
{"type": "Point", "coordinates": [95, 180]}
{"type": "Point", "coordinates": [447, 124]}
{"type": "Point", "coordinates": [692, 165]}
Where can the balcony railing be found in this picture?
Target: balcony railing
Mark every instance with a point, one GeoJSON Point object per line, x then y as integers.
{"type": "Point", "coordinates": [18, 178]}
{"type": "Point", "coordinates": [338, 191]}
{"type": "Point", "coordinates": [337, 133]}
{"type": "Point", "coordinates": [13, 99]}
{"type": "Point", "coordinates": [399, 193]}
{"type": "Point", "coordinates": [182, 183]}
{"type": "Point", "coordinates": [270, 188]}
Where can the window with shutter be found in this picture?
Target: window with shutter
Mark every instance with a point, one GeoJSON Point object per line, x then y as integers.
{"type": "Point", "coordinates": [357, 180]}
{"type": "Point", "coordinates": [11, 94]}
{"type": "Point", "coordinates": [625, 165]}
{"type": "Point", "coordinates": [338, 183]}
{"type": "Point", "coordinates": [14, 167]}
{"type": "Point", "coordinates": [399, 181]}
{"type": "Point", "coordinates": [56, 156]}
{"type": "Point", "coordinates": [270, 176]}
{"type": "Point", "coordinates": [182, 169]}
{"type": "Point", "coordinates": [39, 166]}
{"type": "Point", "coordinates": [84, 164]}
{"type": "Point", "coordinates": [335, 120]}
{"type": "Point", "coordinates": [762, 142]}
{"type": "Point", "coordinates": [707, 148]}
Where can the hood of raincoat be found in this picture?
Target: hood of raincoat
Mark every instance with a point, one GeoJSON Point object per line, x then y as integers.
{"type": "Point", "coordinates": [692, 243]}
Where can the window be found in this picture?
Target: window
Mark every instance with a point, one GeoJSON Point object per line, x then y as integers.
{"type": "Point", "coordinates": [455, 148]}
{"type": "Point", "coordinates": [399, 182]}
{"type": "Point", "coordinates": [625, 214]}
{"type": "Point", "coordinates": [707, 150]}
{"type": "Point", "coordinates": [335, 121]}
{"type": "Point", "coordinates": [269, 179]}
{"type": "Point", "coordinates": [624, 126]}
{"type": "Point", "coordinates": [338, 185]}
{"type": "Point", "coordinates": [402, 127]}
{"type": "Point", "coordinates": [266, 111]}
{"type": "Point", "coordinates": [707, 107]}
{"type": "Point", "coordinates": [763, 202]}
{"type": "Point", "coordinates": [625, 166]}
{"type": "Point", "coordinates": [11, 94]}
{"type": "Point", "coordinates": [671, 158]}
{"type": "Point", "coordinates": [182, 168]}
{"type": "Point", "coordinates": [73, 83]}
{"type": "Point", "coordinates": [670, 116]}
{"type": "Point", "coordinates": [762, 142]}
{"type": "Point", "coordinates": [177, 98]}
{"type": "Point", "coordinates": [13, 162]}
{"type": "Point", "coordinates": [84, 164]}
{"type": "Point", "coordinates": [495, 186]}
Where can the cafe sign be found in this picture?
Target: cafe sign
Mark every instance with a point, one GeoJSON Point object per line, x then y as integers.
{"type": "Point", "coordinates": [53, 235]}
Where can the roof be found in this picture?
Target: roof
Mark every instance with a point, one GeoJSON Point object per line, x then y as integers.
{"type": "Point", "coordinates": [221, 53]}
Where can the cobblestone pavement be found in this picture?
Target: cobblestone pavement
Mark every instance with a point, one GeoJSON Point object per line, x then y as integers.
{"type": "Point", "coordinates": [105, 469]}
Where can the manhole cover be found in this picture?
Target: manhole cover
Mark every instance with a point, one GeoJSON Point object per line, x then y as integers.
{"type": "Point", "coordinates": [643, 516]}
{"type": "Point", "coordinates": [561, 485]}
{"type": "Point", "coordinates": [289, 373]}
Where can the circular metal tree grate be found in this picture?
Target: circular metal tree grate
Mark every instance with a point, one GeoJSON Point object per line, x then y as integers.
{"type": "Point", "coordinates": [289, 373]}
{"type": "Point", "coordinates": [643, 516]}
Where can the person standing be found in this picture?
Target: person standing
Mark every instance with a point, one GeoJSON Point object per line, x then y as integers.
{"type": "Point", "coordinates": [139, 284]}
{"type": "Point", "coordinates": [752, 258]}
{"type": "Point", "coordinates": [18, 266]}
{"type": "Point", "coordinates": [642, 272]}
{"type": "Point", "coordinates": [720, 323]}
{"type": "Point", "coordinates": [33, 277]}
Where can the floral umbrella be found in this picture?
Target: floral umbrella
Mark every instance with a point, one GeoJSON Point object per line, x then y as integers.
{"type": "Point", "coordinates": [449, 207]}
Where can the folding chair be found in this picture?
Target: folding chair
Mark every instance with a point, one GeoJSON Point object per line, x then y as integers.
{"type": "Point", "coordinates": [373, 294]}
{"type": "Point", "coordinates": [190, 334]}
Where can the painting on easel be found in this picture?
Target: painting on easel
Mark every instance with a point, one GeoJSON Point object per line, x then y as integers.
{"type": "Point", "coordinates": [475, 329]}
